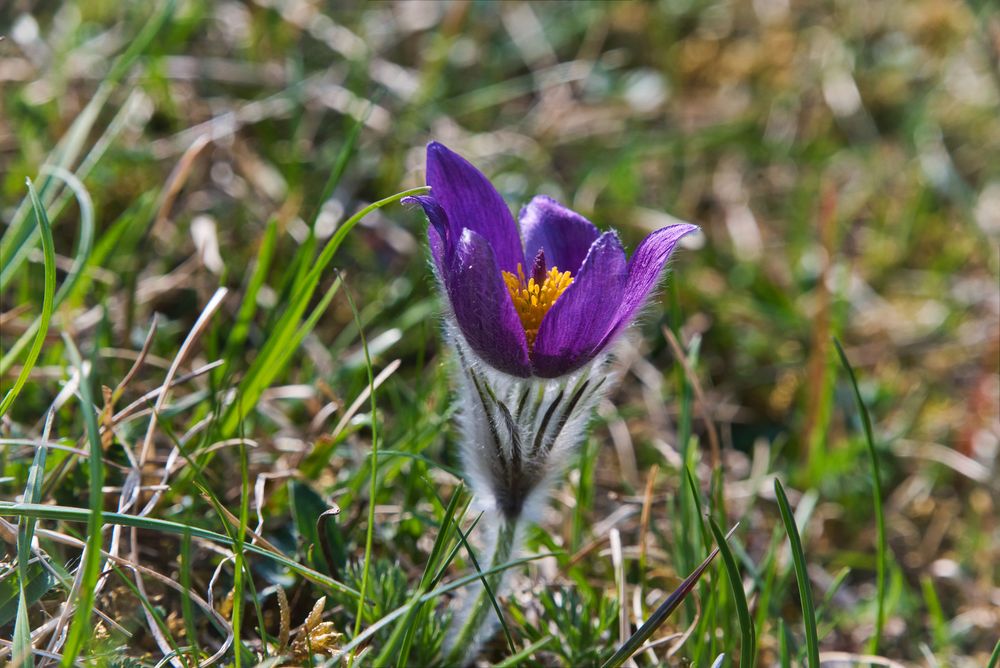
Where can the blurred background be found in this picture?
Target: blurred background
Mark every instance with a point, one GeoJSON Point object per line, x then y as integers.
{"type": "Point", "coordinates": [842, 159]}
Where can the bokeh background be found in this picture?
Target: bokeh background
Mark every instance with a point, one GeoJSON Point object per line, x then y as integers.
{"type": "Point", "coordinates": [842, 159]}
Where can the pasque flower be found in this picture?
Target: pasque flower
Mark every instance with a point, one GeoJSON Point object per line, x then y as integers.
{"type": "Point", "coordinates": [535, 310]}
{"type": "Point", "coordinates": [540, 299]}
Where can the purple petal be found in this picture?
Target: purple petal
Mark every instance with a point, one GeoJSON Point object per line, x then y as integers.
{"type": "Point", "coordinates": [482, 306]}
{"type": "Point", "coordinates": [644, 271]}
{"type": "Point", "coordinates": [573, 331]}
{"type": "Point", "coordinates": [565, 235]}
{"type": "Point", "coordinates": [472, 202]}
{"type": "Point", "coordinates": [438, 233]}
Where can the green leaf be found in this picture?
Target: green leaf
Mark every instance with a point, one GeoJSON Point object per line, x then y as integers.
{"type": "Point", "coordinates": [882, 547]}
{"type": "Point", "coordinates": [307, 507]}
{"type": "Point", "coordinates": [83, 249]}
{"type": "Point", "coordinates": [37, 582]}
{"type": "Point", "coordinates": [49, 252]}
{"type": "Point", "coordinates": [660, 615]}
{"type": "Point", "coordinates": [748, 650]}
{"type": "Point", "coordinates": [801, 576]}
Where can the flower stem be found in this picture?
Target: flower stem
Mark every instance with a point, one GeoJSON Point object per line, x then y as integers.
{"type": "Point", "coordinates": [478, 611]}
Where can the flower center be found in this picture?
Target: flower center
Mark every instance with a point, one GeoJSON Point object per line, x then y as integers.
{"type": "Point", "coordinates": [533, 299]}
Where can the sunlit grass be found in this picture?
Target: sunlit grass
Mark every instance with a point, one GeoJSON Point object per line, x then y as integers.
{"type": "Point", "coordinates": [227, 419]}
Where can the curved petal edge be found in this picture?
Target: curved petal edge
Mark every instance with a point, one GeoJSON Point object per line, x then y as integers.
{"type": "Point", "coordinates": [564, 235]}
{"type": "Point", "coordinates": [482, 307]}
{"type": "Point", "coordinates": [644, 271]}
{"type": "Point", "coordinates": [574, 330]}
{"type": "Point", "coordinates": [471, 202]}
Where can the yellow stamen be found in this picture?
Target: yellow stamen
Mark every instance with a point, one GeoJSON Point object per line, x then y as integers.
{"type": "Point", "coordinates": [533, 300]}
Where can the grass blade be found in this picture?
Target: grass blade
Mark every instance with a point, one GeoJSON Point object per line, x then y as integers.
{"type": "Point", "coordinates": [49, 252]}
{"type": "Point", "coordinates": [154, 614]}
{"type": "Point", "coordinates": [52, 512]}
{"type": "Point", "coordinates": [248, 307]}
{"type": "Point", "coordinates": [430, 596]}
{"type": "Point", "coordinates": [405, 627]}
{"type": "Point", "coordinates": [373, 481]}
{"type": "Point", "coordinates": [882, 547]}
{"type": "Point", "coordinates": [994, 657]}
{"type": "Point", "coordinates": [187, 606]}
{"type": "Point", "coordinates": [91, 566]}
{"type": "Point", "coordinates": [83, 249]}
{"type": "Point", "coordinates": [939, 625]}
{"type": "Point", "coordinates": [801, 576]}
{"type": "Point", "coordinates": [21, 653]}
{"type": "Point", "coordinates": [785, 645]}
{"type": "Point", "coordinates": [660, 615]}
{"type": "Point", "coordinates": [239, 556]}
{"type": "Point", "coordinates": [515, 659]}
{"type": "Point", "coordinates": [464, 538]}
{"type": "Point", "coordinates": [748, 650]}
{"type": "Point", "coordinates": [278, 349]}
{"type": "Point", "coordinates": [18, 240]}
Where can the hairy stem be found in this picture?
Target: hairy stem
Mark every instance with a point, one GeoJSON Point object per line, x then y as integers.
{"type": "Point", "coordinates": [478, 614]}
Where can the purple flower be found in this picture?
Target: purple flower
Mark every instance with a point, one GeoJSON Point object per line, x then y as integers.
{"type": "Point", "coordinates": [543, 300]}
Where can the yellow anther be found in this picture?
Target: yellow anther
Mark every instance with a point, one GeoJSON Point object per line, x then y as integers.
{"type": "Point", "coordinates": [533, 300]}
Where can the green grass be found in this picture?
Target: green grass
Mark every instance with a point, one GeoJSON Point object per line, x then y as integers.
{"type": "Point", "coordinates": [801, 577]}
{"type": "Point", "coordinates": [881, 545]}
{"type": "Point", "coordinates": [48, 296]}
{"type": "Point", "coordinates": [189, 438]}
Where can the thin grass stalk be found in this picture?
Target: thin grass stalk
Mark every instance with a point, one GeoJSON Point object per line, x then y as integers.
{"type": "Point", "coordinates": [248, 307]}
{"type": "Point", "coordinates": [91, 566]}
{"type": "Point", "coordinates": [239, 557]}
{"type": "Point", "coordinates": [373, 481]}
{"type": "Point", "coordinates": [939, 624]}
{"type": "Point", "coordinates": [770, 565]}
{"type": "Point", "coordinates": [149, 609]}
{"type": "Point", "coordinates": [463, 537]}
{"type": "Point", "coordinates": [21, 649]}
{"type": "Point", "coordinates": [882, 546]}
{"type": "Point", "coordinates": [515, 659]}
{"type": "Point", "coordinates": [785, 644]}
{"type": "Point", "coordinates": [831, 591]}
{"type": "Point", "coordinates": [187, 606]}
